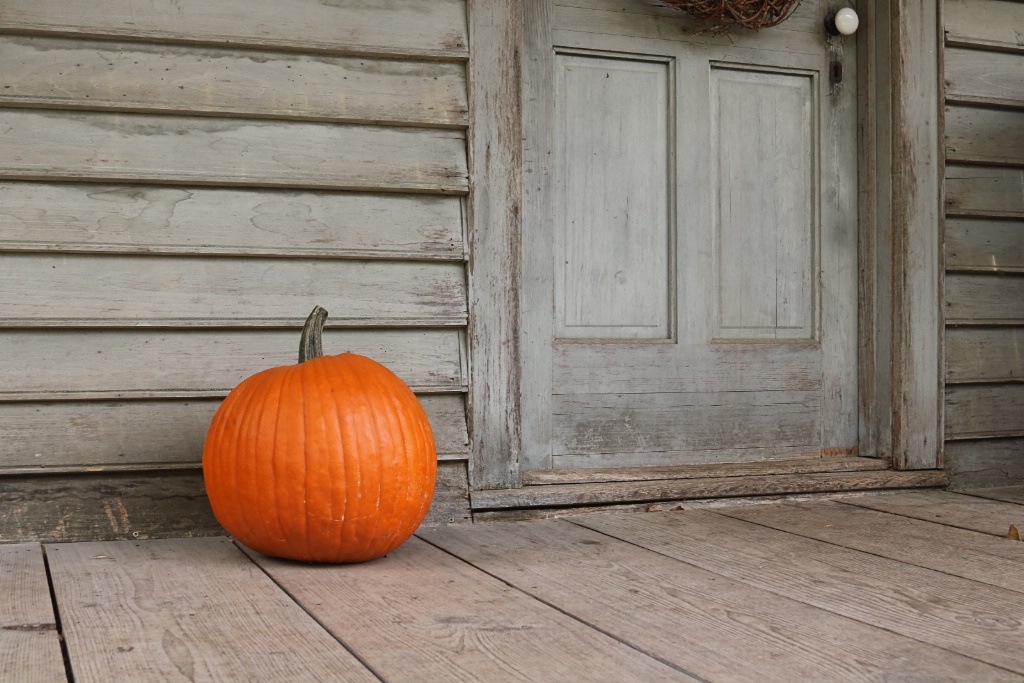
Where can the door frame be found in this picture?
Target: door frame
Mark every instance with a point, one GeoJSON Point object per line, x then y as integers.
{"type": "Point", "coordinates": [900, 167]}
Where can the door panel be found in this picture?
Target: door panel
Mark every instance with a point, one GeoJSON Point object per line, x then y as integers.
{"type": "Point", "coordinates": [690, 228]}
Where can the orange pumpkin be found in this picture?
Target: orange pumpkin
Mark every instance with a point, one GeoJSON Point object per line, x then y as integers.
{"type": "Point", "coordinates": [330, 460]}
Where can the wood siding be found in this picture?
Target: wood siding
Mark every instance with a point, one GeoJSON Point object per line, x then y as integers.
{"type": "Point", "coordinates": [984, 242]}
{"type": "Point", "coordinates": [178, 188]}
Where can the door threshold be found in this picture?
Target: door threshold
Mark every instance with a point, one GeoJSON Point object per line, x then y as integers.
{"type": "Point", "coordinates": [778, 481]}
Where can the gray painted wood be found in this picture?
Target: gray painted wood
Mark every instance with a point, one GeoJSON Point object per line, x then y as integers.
{"type": "Point", "coordinates": [984, 410]}
{"type": "Point", "coordinates": [974, 244]}
{"type": "Point", "coordinates": [981, 191]}
{"type": "Point", "coordinates": [29, 643]}
{"type": "Point", "coordinates": [951, 509]}
{"type": "Point", "coordinates": [39, 145]}
{"type": "Point", "coordinates": [984, 463]}
{"type": "Point", "coordinates": [984, 354]}
{"type": "Point", "coordinates": [968, 554]}
{"type": "Point", "coordinates": [568, 495]}
{"type": "Point", "coordinates": [983, 77]}
{"type": "Point", "coordinates": [454, 623]}
{"type": "Point", "coordinates": [186, 609]}
{"type": "Point", "coordinates": [993, 24]}
{"type": "Point", "coordinates": [1009, 494]}
{"type": "Point", "coordinates": [718, 628]}
{"type": "Point", "coordinates": [984, 136]}
{"type": "Point", "coordinates": [145, 290]}
{"type": "Point", "coordinates": [949, 612]}
{"type": "Point", "coordinates": [192, 363]}
{"type": "Point", "coordinates": [495, 269]}
{"type": "Point", "coordinates": [984, 299]}
{"type": "Point", "coordinates": [75, 74]}
{"type": "Point", "coordinates": [402, 27]}
{"type": "Point", "coordinates": [88, 218]}
{"type": "Point", "coordinates": [70, 436]}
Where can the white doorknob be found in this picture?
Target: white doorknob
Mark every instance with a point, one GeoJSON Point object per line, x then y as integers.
{"type": "Point", "coordinates": [844, 22]}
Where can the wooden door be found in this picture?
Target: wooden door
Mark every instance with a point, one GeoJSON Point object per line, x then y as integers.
{"type": "Point", "coordinates": [690, 239]}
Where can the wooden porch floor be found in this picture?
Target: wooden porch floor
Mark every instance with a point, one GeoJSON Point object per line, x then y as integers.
{"type": "Point", "coordinates": [909, 586]}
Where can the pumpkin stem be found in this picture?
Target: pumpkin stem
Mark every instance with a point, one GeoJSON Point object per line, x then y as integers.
{"type": "Point", "coordinates": [311, 345]}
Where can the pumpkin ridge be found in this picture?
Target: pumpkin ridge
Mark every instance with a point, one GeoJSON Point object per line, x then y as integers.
{"type": "Point", "coordinates": [253, 391]}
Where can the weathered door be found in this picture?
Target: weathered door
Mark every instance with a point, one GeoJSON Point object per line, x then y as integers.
{"type": "Point", "coordinates": [690, 239]}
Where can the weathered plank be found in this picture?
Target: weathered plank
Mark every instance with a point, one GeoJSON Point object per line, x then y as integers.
{"type": "Point", "coordinates": [952, 509]}
{"type": "Point", "coordinates": [979, 410]}
{"type": "Point", "coordinates": [1008, 494]}
{"type": "Point", "coordinates": [29, 644]}
{"type": "Point", "coordinates": [78, 74]}
{"type": "Point", "coordinates": [42, 145]}
{"type": "Point", "coordinates": [984, 354]}
{"type": "Point", "coordinates": [991, 24]}
{"type": "Point", "coordinates": [422, 615]}
{"type": "Point", "coordinates": [47, 290]}
{"type": "Point", "coordinates": [983, 76]}
{"type": "Point", "coordinates": [451, 495]}
{"type": "Point", "coordinates": [959, 552]}
{"type": "Point", "coordinates": [984, 245]}
{"type": "Point", "coordinates": [985, 136]}
{"type": "Point", "coordinates": [703, 471]}
{"type": "Point", "coordinates": [565, 495]}
{"type": "Point", "coordinates": [981, 191]}
{"type": "Point", "coordinates": [163, 220]}
{"type": "Point", "coordinates": [983, 463]}
{"type": "Point", "coordinates": [714, 627]}
{"type": "Point", "coordinates": [984, 299]}
{"type": "Point", "coordinates": [654, 422]}
{"type": "Point", "coordinates": [590, 369]}
{"type": "Point", "coordinates": [399, 27]}
{"type": "Point", "coordinates": [164, 363]}
{"type": "Point", "coordinates": [956, 614]}
{"type": "Point", "coordinates": [70, 436]}
{"type": "Point", "coordinates": [186, 609]}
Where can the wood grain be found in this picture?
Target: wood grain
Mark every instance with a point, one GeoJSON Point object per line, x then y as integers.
{"type": "Point", "coordinates": [980, 410]}
{"type": "Point", "coordinates": [29, 643]}
{"type": "Point", "coordinates": [967, 554]}
{"type": "Point", "coordinates": [984, 77]}
{"type": "Point", "coordinates": [715, 627]}
{"type": "Point", "coordinates": [159, 78]}
{"type": "Point", "coordinates": [186, 609]}
{"type": "Point", "coordinates": [973, 244]}
{"type": "Point", "coordinates": [992, 24]}
{"type": "Point", "coordinates": [47, 290]}
{"type": "Point", "coordinates": [981, 191]}
{"type": "Point", "coordinates": [944, 507]}
{"type": "Point", "coordinates": [77, 436]}
{"type": "Point", "coordinates": [984, 354]}
{"type": "Point", "coordinates": [946, 611]}
{"type": "Point", "coordinates": [87, 218]}
{"type": "Point", "coordinates": [1009, 494]}
{"type": "Point", "coordinates": [422, 615]}
{"type": "Point", "coordinates": [983, 463]}
{"type": "Point", "coordinates": [41, 145]}
{"type": "Point", "coordinates": [984, 299]}
{"type": "Point", "coordinates": [565, 495]}
{"type": "Point", "coordinates": [984, 136]}
{"type": "Point", "coordinates": [166, 363]}
{"type": "Point", "coordinates": [396, 28]}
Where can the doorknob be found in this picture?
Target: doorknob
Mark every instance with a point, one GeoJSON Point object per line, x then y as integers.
{"type": "Point", "coordinates": [844, 22]}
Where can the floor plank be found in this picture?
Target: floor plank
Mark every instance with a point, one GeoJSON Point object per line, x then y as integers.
{"type": "Point", "coordinates": [186, 609]}
{"type": "Point", "coordinates": [715, 627]}
{"type": "Point", "coordinates": [29, 645]}
{"type": "Point", "coordinates": [952, 509]}
{"type": "Point", "coordinates": [420, 614]}
{"type": "Point", "coordinates": [1008, 494]}
{"type": "Point", "coordinates": [957, 614]}
{"type": "Point", "coordinates": [970, 554]}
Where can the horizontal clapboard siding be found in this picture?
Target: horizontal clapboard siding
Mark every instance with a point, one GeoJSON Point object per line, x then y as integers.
{"type": "Point", "coordinates": [984, 242]}
{"type": "Point", "coordinates": [180, 184]}
{"type": "Point", "coordinates": [427, 30]}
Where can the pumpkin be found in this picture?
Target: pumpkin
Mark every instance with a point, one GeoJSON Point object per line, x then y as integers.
{"type": "Point", "coordinates": [330, 460]}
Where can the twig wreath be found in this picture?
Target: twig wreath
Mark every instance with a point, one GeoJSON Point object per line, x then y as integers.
{"type": "Point", "coordinates": [752, 14]}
